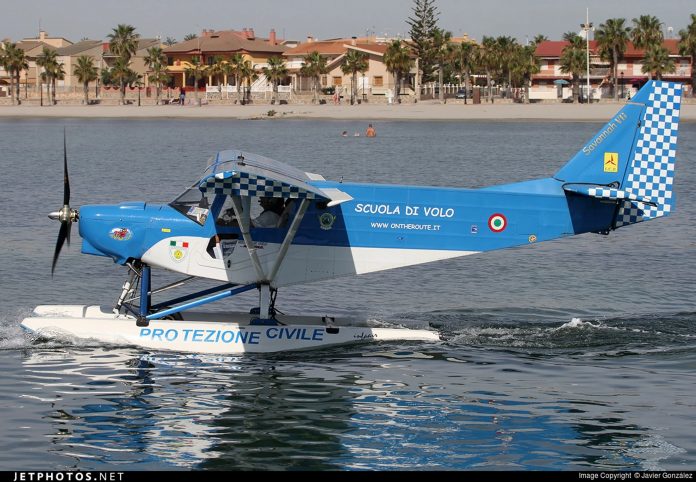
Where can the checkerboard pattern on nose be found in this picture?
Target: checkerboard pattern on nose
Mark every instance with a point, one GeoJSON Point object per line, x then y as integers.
{"type": "Point", "coordinates": [651, 172]}
{"type": "Point", "coordinates": [246, 184]}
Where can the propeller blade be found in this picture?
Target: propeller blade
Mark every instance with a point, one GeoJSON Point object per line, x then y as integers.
{"type": "Point", "coordinates": [66, 179]}
{"type": "Point", "coordinates": [69, 232]}
{"type": "Point", "coordinates": [62, 234]}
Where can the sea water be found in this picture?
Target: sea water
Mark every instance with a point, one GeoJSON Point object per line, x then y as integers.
{"type": "Point", "coordinates": [567, 355]}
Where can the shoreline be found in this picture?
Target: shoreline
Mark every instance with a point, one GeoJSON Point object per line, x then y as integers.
{"type": "Point", "coordinates": [426, 110]}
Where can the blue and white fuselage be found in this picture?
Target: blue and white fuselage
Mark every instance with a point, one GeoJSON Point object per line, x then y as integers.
{"type": "Point", "coordinates": [326, 229]}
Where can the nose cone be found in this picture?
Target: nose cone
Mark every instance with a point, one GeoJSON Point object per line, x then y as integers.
{"type": "Point", "coordinates": [115, 231]}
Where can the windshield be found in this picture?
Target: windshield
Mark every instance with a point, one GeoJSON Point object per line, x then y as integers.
{"type": "Point", "coordinates": [193, 204]}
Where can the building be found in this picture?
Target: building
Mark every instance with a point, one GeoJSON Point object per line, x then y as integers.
{"type": "Point", "coordinates": [376, 80]}
{"type": "Point", "coordinates": [68, 57]}
{"type": "Point", "coordinates": [551, 83]}
{"type": "Point", "coordinates": [213, 46]}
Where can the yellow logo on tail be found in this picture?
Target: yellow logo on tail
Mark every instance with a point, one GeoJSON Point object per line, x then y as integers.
{"type": "Point", "coordinates": [611, 162]}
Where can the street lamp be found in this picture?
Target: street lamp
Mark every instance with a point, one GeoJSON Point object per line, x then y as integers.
{"type": "Point", "coordinates": [586, 27]}
{"type": "Point", "coordinates": [622, 85]}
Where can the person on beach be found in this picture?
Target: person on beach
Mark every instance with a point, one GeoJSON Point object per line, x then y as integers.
{"type": "Point", "coordinates": [344, 134]}
{"type": "Point", "coordinates": [370, 132]}
{"type": "Point", "coordinates": [182, 96]}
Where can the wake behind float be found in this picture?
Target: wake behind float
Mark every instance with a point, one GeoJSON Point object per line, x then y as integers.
{"type": "Point", "coordinates": [326, 229]}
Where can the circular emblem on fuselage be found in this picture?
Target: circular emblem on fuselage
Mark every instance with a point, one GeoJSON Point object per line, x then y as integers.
{"type": "Point", "coordinates": [497, 223]}
{"type": "Point", "coordinates": [326, 221]}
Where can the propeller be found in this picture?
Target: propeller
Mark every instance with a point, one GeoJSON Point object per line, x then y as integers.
{"type": "Point", "coordinates": [66, 215]}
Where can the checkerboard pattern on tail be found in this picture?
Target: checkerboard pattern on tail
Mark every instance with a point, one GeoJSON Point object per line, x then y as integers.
{"type": "Point", "coordinates": [651, 173]}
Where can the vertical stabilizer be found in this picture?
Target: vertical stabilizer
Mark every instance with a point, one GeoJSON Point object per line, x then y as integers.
{"type": "Point", "coordinates": [631, 159]}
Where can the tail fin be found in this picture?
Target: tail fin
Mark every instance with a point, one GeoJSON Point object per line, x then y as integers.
{"type": "Point", "coordinates": [631, 160]}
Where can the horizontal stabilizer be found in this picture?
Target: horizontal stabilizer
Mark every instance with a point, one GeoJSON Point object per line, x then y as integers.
{"type": "Point", "coordinates": [606, 193]}
{"type": "Point", "coordinates": [336, 195]}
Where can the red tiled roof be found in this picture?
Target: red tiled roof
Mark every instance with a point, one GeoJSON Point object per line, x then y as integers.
{"type": "Point", "coordinates": [554, 48]}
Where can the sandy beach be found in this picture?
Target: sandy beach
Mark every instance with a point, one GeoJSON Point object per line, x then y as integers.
{"type": "Point", "coordinates": [427, 110]}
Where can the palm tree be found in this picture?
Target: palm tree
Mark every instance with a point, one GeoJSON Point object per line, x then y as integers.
{"type": "Point", "coordinates": [190, 36]}
{"type": "Point", "coordinates": [86, 72]}
{"type": "Point", "coordinates": [156, 61]}
{"type": "Point", "coordinates": [14, 60]}
{"type": "Point", "coordinates": [442, 51]}
{"type": "Point", "coordinates": [687, 48]}
{"type": "Point", "coordinates": [574, 60]}
{"type": "Point", "coordinates": [647, 31]}
{"type": "Point", "coordinates": [465, 61]}
{"type": "Point", "coordinates": [489, 61]}
{"type": "Point", "coordinates": [197, 71]}
{"type": "Point", "coordinates": [398, 61]}
{"type": "Point", "coordinates": [58, 73]}
{"type": "Point", "coordinates": [657, 61]}
{"type": "Point", "coordinates": [538, 38]}
{"type": "Point", "coordinates": [353, 62]}
{"type": "Point", "coordinates": [612, 37]}
{"type": "Point", "coordinates": [123, 42]}
{"type": "Point", "coordinates": [314, 66]}
{"type": "Point", "coordinates": [506, 48]}
{"type": "Point", "coordinates": [236, 67]}
{"type": "Point", "coordinates": [169, 41]}
{"type": "Point", "coordinates": [525, 64]}
{"type": "Point", "coordinates": [48, 60]}
{"type": "Point", "coordinates": [275, 72]}
{"type": "Point", "coordinates": [122, 75]}
{"type": "Point", "coordinates": [248, 76]}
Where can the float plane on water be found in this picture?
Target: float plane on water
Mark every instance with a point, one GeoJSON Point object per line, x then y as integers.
{"type": "Point", "coordinates": [324, 229]}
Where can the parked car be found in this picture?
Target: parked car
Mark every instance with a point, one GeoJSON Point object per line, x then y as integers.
{"type": "Point", "coordinates": [461, 94]}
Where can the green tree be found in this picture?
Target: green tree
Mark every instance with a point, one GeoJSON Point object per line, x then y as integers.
{"type": "Point", "coordinates": [442, 53]}
{"type": "Point", "coordinates": [687, 48]}
{"type": "Point", "coordinates": [236, 67]}
{"type": "Point", "coordinates": [353, 62]}
{"type": "Point", "coordinates": [123, 43]}
{"type": "Point", "coordinates": [612, 37]}
{"type": "Point", "coordinates": [248, 76]}
{"type": "Point", "coordinates": [657, 61]}
{"type": "Point", "coordinates": [398, 61]}
{"type": "Point", "coordinates": [169, 41]}
{"type": "Point", "coordinates": [524, 64]}
{"type": "Point", "coordinates": [538, 38]}
{"type": "Point", "coordinates": [490, 61]}
{"type": "Point", "coordinates": [86, 72]}
{"type": "Point", "coordinates": [465, 60]}
{"type": "Point", "coordinates": [48, 61]}
{"type": "Point", "coordinates": [647, 31]}
{"type": "Point", "coordinates": [196, 70]}
{"type": "Point", "coordinates": [275, 72]}
{"type": "Point", "coordinates": [574, 60]}
{"type": "Point", "coordinates": [156, 61]}
{"type": "Point", "coordinates": [190, 36]}
{"type": "Point", "coordinates": [423, 25]}
{"type": "Point", "coordinates": [314, 66]}
{"type": "Point", "coordinates": [14, 60]}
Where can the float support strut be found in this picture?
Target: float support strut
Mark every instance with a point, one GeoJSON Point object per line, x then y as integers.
{"type": "Point", "coordinates": [145, 299]}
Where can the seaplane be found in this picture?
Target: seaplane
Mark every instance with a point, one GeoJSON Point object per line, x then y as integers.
{"type": "Point", "coordinates": [312, 229]}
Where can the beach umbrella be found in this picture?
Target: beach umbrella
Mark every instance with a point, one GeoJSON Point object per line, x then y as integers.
{"type": "Point", "coordinates": [561, 82]}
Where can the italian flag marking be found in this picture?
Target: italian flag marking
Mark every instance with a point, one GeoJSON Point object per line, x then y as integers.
{"type": "Point", "coordinates": [497, 223]}
{"type": "Point", "coordinates": [180, 244]}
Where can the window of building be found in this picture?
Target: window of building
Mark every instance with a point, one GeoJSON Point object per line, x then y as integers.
{"type": "Point", "coordinates": [324, 80]}
{"type": "Point", "coordinates": [378, 81]}
{"type": "Point", "coordinates": [338, 80]}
